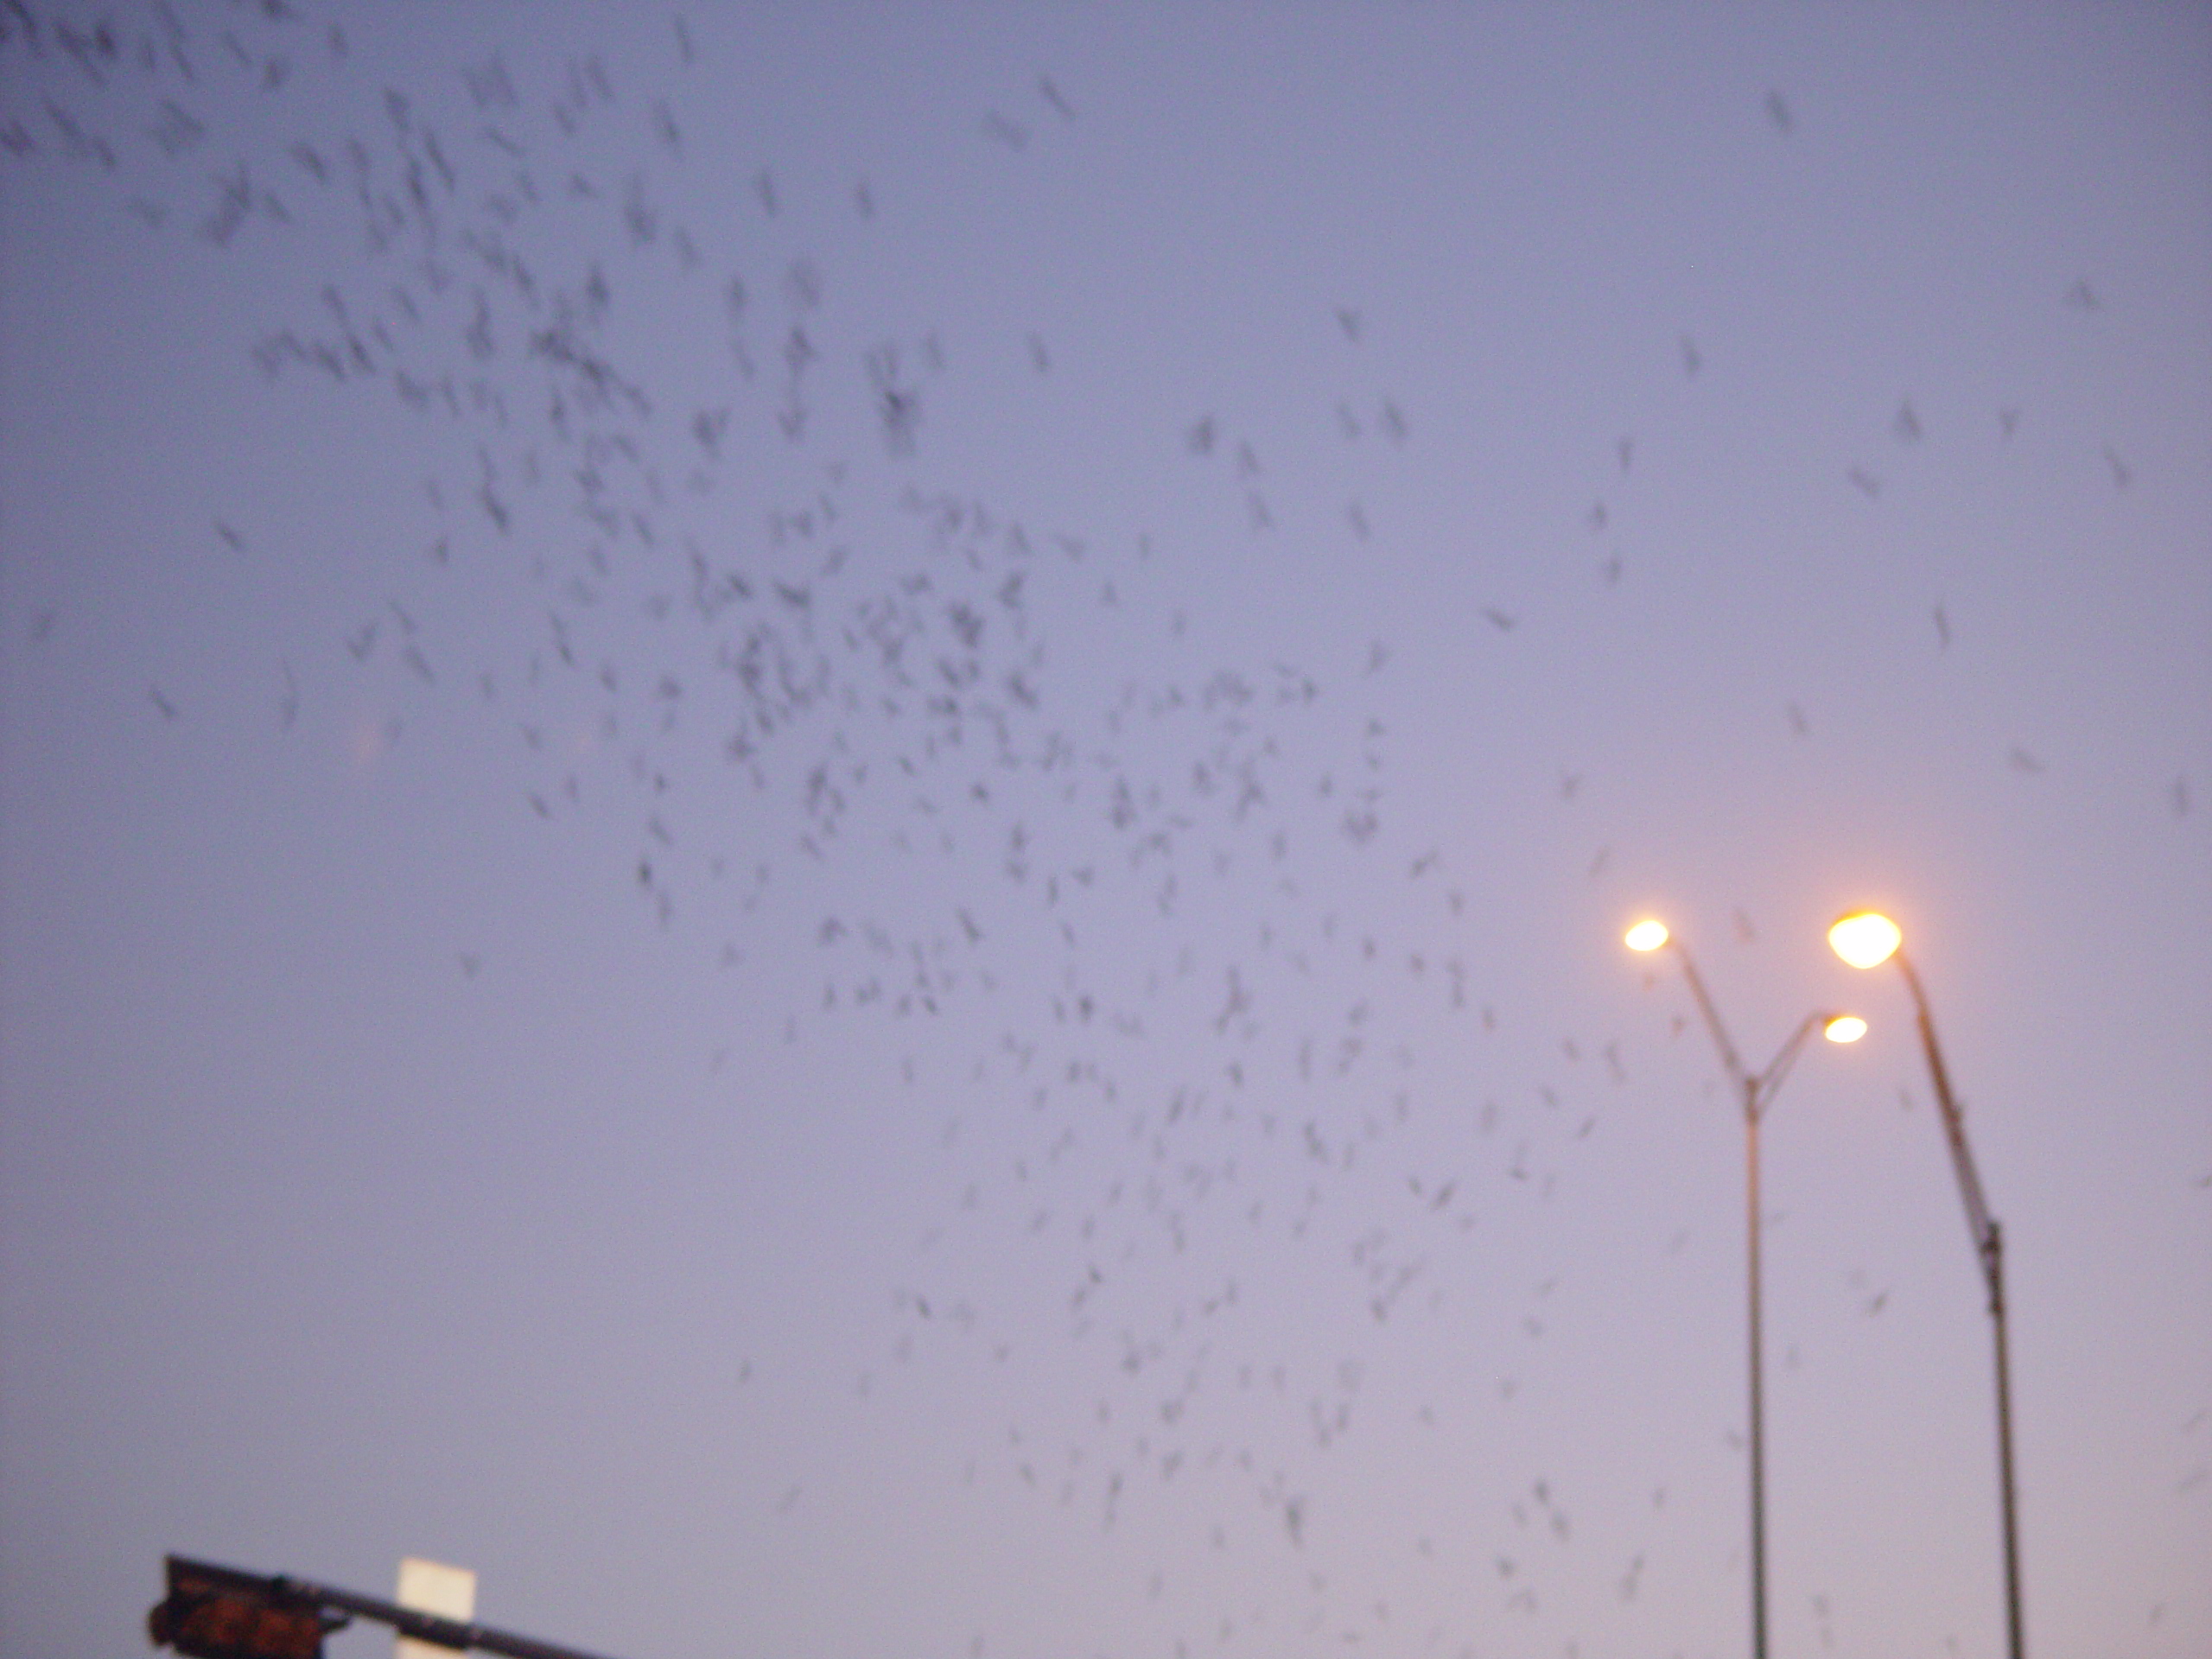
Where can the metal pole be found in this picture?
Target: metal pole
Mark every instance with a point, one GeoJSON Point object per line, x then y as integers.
{"type": "Point", "coordinates": [1995, 1256]}
{"type": "Point", "coordinates": [1757, 1092]}
{"type": "Point", "coordinates": [1758, 1421]}
{"type": "Point", "coordinates": [1989, 1249]}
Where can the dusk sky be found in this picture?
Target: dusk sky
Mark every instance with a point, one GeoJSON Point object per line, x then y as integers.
{"type": "Point", "coordinates": [814, 820]}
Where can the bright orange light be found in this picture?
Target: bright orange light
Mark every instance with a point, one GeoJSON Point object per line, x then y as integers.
{"type": "Point", "coordinates": [1646, 936]}
{"type": "Point", "coordinates": [1844, 1028]}
{"type": "Point", "coordinates": [1866, 939]}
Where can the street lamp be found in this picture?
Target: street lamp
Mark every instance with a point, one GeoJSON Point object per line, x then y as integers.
{"type": "Point", "coordinates": [1868, 939]}
{"type": "Point", "coordinates": [1758, 1092]}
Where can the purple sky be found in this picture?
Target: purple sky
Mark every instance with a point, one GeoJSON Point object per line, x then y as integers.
{"type": "Point", "coordinates": [814, 820]}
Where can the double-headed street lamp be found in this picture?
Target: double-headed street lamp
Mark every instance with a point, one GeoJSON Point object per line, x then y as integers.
{"type": "Point", "coordinates": [1868, 939]}
{"type": "Point", "coordinates": [1757, 1092]}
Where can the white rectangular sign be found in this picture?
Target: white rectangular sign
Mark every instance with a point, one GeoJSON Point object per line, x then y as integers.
{"type": "Point", "coordinates": [433, 1587]}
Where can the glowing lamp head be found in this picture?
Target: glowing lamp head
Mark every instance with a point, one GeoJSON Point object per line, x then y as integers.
{"type": "Point", "coordinates": [1844, 1028]}
{"type": "Point", "coordinates": [1865, 940]}
{"type": "Point", "coordinates": [1646, 936]}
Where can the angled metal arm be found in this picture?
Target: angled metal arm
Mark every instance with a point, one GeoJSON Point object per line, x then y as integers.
{"type": "Point", "coordinates": [1755, 1091]}
{"type": "Point", "coordinates": [1764, 1085]}
{"type": "Point", "coordinates": [1728, 1056]}
{"type": "Point", "coordinates": [214, 1609]}
{"type": "Point", "coordinates": [1980, 1224]}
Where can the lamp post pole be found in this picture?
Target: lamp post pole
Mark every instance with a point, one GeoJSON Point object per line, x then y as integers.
{"type": "Point", "coordinates": [1989, 1249]}
{"type": "Point", "coordinates": [1756, 1092]}
{"type": "Point", "coordinates": [1866, 939]}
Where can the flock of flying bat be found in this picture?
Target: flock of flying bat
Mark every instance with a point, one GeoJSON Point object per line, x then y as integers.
{"type": "Point", "coordinates": [883, 667]}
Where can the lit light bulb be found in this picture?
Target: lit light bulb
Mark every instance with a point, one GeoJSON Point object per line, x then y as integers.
{"type": "Point", "coordinates": [1646, 936]}
{"type": "Point", "coordinates": [1866, 939]}
{"type": "Point", "coordinates": [1844, 1028]}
